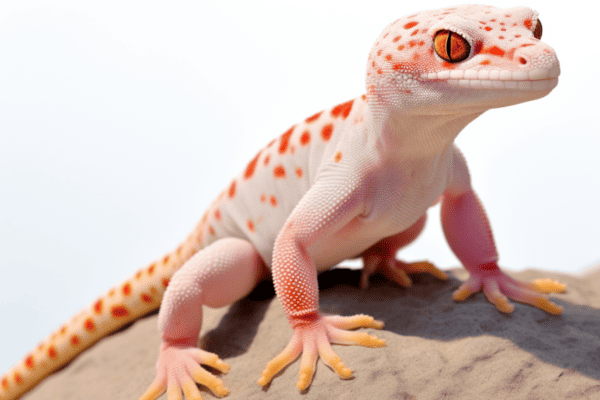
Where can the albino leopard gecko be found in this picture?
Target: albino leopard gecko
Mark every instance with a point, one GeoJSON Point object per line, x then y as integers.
{"type": "Point", "coordinates": [352, 181]}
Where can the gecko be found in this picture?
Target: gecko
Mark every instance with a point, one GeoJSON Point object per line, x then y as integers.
{"type": "Point", "coordinates": [352, 181]}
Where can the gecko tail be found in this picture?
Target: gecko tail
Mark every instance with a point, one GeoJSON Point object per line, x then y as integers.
{"type": "Point", "coordinates": [134, 297]}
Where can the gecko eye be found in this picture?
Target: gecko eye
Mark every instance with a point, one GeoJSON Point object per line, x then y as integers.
{"type": "Point", "coordinates": [537, 32]}
{"type": "Point", "coordinates": [451, 46]}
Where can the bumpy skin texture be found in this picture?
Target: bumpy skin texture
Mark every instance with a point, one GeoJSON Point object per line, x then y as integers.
{"type": "Point", "coordinates": [352, 181]}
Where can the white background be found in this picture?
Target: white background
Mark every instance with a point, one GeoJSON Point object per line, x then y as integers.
{"type": "Point", "coordinates": [120, 120]}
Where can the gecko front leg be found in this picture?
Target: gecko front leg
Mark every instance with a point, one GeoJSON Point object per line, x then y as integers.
{"type": "Point", "coordinates": [324, 210]}
{"type": "Point", "coordinates": [469, 234]}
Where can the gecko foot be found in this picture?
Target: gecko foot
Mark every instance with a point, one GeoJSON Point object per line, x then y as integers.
{"type": "Point", "coordinates": [178, 368]}
{"type": "Point", "coordinates": [395, 270]}
{"type": "Point", "coordinates": [313, 337]}
{"type": "Point", "coordinates": [499, 287]}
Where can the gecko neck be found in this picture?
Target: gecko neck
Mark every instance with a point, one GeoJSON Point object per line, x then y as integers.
{"type": "Point", "coordinates": [405, 136]}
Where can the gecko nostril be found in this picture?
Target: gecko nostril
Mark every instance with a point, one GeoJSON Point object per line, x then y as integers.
{"type": "Point", "coordinates": [522, 60]}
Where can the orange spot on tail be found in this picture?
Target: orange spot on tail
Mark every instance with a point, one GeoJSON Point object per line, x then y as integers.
{"type": "Point", "coordinates": [5, 383]}
{"type": "Point", "coordinates": [75, 340]}
{"type": "Point", "coordinates": [338, 156]}
{"type": "Point", "coordinates": [326, 132]}
{"type": "Point", "coordinates": [299, 172]}
{"type": "Point", "coordinates": [126, 289]}
{"type": "Point", "coordinates": [98, 307]}
{"type": "Point", "coordinates": [111, 292]}
{"type": "Point", "coordinates": [211, 230]}
{"type": "Point", "coordinates": [485, 62]}
{"type": "Point", "coordinates": [63, 330]}
{"type": "Point", "coordinates": [285, 140]}
{"type": "Point", "coordinates": [528, 23]}
{"type": "Point", "coordinates": [138, 275]}
{"type": "Point", "coordinates": [165, 282]}
{"type": "Point", "coordinates": [89, 325]}
{"type": "Point", "coordinates": [314, 117]}
{"type": "Point", "coordinates": [263, 198]}
{"type": "Point", "coordinates": [119, 311]}
{"type": "Point", "coordinates": [218, 214]}
{"type": "Point", "coordinates": [151, 269]}
{"type": "Point", "coordinates": [145, 298]}
{"type": "Point", "coordinates": [29, 362]}
{"type": "Point", "coordinates": [267, 159]}
{"type": "Point", "coordinates": [52, 352]}
{"type": "Point", "coordinates": [18, 378]}
{"type": "Point", "coordinates": [251, 227]}
{"type": "Point", "coordinates": [273, 200]}
{"type": "Point", "coordinates": [279, 171]}
{"type": "Point", "coordinates": [410, 25]}
{"type": "Point", "coordinates": [166, 259]}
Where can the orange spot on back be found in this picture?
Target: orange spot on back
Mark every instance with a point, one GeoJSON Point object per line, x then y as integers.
{"type": "Point", "coordinates": [299, 172]}
{"type": "Point", "coordinates": [74, 340]}
{"type": "Point", "coordinates": [251, 166]}
{"type": "Point", "coordinates": [63, 330]}
{"type": "Point", "coordinates": [166, 259]}
{"type": "Point", "coordinates": [410, 25]}
{"type": "Point", "coordinates": [528, 23]}
{"type": "Point", "coordinates": [396, 39]}
{"type": "Point", "coordinates": [211, 230]}
{"type": "Point", "coordinates": [338, 156]}
{"type": "Point", "coordinates": [52, 352]}
{"type": "Point", "coordinates": [250, 225]}
{"type": "Point", "coordinates": [119, 311]}
{"type": "Point", "coordinates": [314, 117]}
{"type": "Point", "coordinates": [165, 282]}
{"type": "Point", "coordinates": [232, 190]}
{"type": "Point", "coordinates": [29, 362]}
{"type": "Point", "coordinates": [89, 325]}
{"type": "Point", "coordinates": [485, 62]}
{"type": "Point", "coordinates": [18, 378]}
{"type": "Point", "coordinates": [285, 140]}
{"type": "Point", "coordinates": [5, 383]}
{"type": "Point", "coordinates": [145, 298]}
{"type": "Point", "coordinates": [151, 269]}
{"type": "Point", "coordinates": [488, 28]}
{"type": "Point", "coordinates": [326, 132]}
{"type": "Point", "coordinates": [273, 201]}
{"type": "Point", "coordinates": [218, 214]}
{"type": "Point", "coordinates": [267, 159]}
{"type": "Point", "coordinates": [98, 307]}
{"type": "Point", "coordinates": [305, 138]}
{"type": "Point", "coordinates": [126, 289]}
{"type": "Point", "coordinates": [263, 198]}
{"type": "Point", "coordinates": [138, 274]}
{"type": "Point", "coordinates": [111, 292]}
{"type": "Point", "coordinates": [342, 109]}
{"type": "Point", "coordinates": [279, 171]}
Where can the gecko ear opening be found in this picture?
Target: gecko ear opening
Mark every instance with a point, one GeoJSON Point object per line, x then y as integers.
{"type": "Point", "coordinates": [451, 46]}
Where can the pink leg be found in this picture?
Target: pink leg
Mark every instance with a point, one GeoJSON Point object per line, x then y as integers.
{"type": "Point", "coordinates": [216, 276]}
{"type": "Point", "coordinates": [382, 256]}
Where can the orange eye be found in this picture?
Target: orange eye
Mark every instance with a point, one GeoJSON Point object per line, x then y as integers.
{"type": "Point", "coordinates": [451, 46]}
{"type": "Point", "coordinates": [537, 32]}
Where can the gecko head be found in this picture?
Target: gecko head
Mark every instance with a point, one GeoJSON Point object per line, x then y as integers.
{"type": "Point", "coordinates": [461, 60]}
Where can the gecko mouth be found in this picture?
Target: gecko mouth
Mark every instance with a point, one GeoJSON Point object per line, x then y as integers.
{"type": "Point", "coordinates": [536, 79]}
